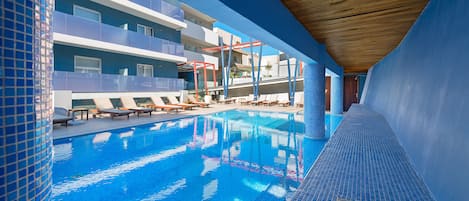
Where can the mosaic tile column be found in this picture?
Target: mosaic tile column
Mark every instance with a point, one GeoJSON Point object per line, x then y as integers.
{"type": "Point", "coordinates": [314, 100]}
{"type": "Point", "coordinates": [337, 94]}
{"type": "Point", "coordinates": [25, 103]}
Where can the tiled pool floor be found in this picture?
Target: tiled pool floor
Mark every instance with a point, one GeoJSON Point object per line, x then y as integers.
{"type": "Point", "coordinates": [363, 161]}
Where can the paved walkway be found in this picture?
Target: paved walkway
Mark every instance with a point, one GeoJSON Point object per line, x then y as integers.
{"type": "Point", "coordinates": [363, 161]}
{"type": "Point", "coordinates": [106, 123]}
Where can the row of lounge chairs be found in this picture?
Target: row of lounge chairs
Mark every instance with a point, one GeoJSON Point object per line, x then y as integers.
{"type": "Point", "coordinates": [129, 106]}
{"type": "Point", "coordinates": [104, 106]}
{"type": "Point", "coordinates": [268, 100]}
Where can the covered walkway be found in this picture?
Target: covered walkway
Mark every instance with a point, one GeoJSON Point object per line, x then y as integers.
{"type": "Point", "coordinates": [363, 160]}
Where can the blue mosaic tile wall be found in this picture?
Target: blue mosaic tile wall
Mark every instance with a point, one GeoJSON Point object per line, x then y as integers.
{"type": "Point", "coordinates": [25, 103]}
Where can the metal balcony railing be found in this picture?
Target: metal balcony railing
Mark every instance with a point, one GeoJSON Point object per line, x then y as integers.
{"type": "Point", "coordinates": [76, 26]}
{"type": "Point", "coordinates": [162, 7]}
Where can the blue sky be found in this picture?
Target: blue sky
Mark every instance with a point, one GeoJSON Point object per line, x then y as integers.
{"type": "Point", "coordinates": [266, 50]}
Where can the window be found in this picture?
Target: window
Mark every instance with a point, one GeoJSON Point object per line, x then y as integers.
{"type": "Point", "coordinates": [87, 65]}
{"type": "Point", "coordinates": [148, 31]}
{"type": "Point", "coordinates": [86, 13]}
{"type": "Point", "coordinates": [144, 70]}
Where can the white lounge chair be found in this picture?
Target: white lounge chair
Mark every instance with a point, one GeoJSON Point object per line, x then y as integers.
{"type": "Point", "coordinates": [272, 100]}
{"type": "Point", "coordinates": [260, 100]}
{"type": "Point", "coordinates": [226, 101]}
{"type": "Point", "coordinates": [129, 103]}
{"type": "Point", "coordinates": [159, 104]}
{"type": "Point", "coordinates": [299, 99]}
{"type": "Point", "coordinates": [283, 100]}
{"type": "Point", "coordinates": [247, 100]}
{"type": "Point", "coordinates": [195, 101]}
{"type": "Point", "coordinates": [174, 101]}
{"type": "Point", "coordinates": [104, 106]}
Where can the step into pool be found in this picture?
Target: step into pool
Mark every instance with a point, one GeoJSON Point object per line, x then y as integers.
{"type": "Point", "coordinates": [232, 155]}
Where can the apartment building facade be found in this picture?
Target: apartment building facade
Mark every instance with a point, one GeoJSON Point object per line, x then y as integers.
{"type": "Point", "coordinates": [106, 46]}
{"type": "Point", "coordinates": [198, 35]}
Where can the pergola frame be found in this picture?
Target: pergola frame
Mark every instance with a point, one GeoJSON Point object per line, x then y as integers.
{"type": "Point", "coordinates": [227, 69]}
{"type": "Point", "coordinates": [204, 65]}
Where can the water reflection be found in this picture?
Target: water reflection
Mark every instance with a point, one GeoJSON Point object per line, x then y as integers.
{"type": "Point", "coordinates": [230, 155]}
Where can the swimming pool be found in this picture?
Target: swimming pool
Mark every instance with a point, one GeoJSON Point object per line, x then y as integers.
{"type": "Point", "coordinates": [232, 155]}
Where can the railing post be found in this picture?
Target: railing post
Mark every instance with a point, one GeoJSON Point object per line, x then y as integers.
{"type": "Point", "coordinates": [214, 76]}
{"type": "Point", "coordinates": [205, 79]}
{"type": "Point", "coordinates": [195, 81]}
{"type": "Point", "coordinates": [252, 71]}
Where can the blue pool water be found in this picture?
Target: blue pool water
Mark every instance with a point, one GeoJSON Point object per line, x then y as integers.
{"type": "Point", "coordinates": [233, 155]}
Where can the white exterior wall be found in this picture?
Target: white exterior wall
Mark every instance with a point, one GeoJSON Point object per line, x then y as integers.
{"type": "Point", "coordinates": [191, 56]}
{"type": "Point", "coordinates": [200, 33]}
{"type": "Point", "coordinates": [283, 69]}
{"type": "Point", "coordinates": [143, 12]}
{"type": "Point", "coordinates": [227, 36]}
{"type": "Point", "coordinates": [62, 98]}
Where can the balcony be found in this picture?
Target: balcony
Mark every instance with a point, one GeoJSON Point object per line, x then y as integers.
{"type": "Point", "coordinates": [79, 32]}
{"type": "Point", "coordinates": [195, 56]}
{"type": "Point", "coordinates": [95, 83]}
{"type": "Point", "coordinates": [162, 7]}
{"type": "Point", "coordinates": [200, 33]}
{"type": "Point", "coordinates": [158, 11]}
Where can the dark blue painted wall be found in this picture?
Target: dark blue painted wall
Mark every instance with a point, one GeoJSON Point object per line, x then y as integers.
{"type": "Point", "coordinates": [111, 63]}
{"type": "Point", "coordinates": [422, 88]}
{"type": "Point", "coordinates": [117, 18]}
{"type": "Point", "coordinates": [189, 78]}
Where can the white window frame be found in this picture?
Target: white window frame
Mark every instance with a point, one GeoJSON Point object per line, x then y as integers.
{"type": "Point", "coordinates": [85, 67]}
{"type": "Point", "coordinates": [86, 9]}
{"type": "Point", "coordinates": [145, 29]}
{"type": "Point", "coordinates": [146, 65]}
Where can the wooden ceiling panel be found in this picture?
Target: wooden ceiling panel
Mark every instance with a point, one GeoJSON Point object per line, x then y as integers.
{"type": "Point", "coordinates": [357, 33]}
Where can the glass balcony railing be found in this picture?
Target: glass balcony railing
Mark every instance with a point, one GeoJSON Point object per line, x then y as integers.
{"type": "Point", "coordinates": [92, 82]}
{"type": "Point", "coordinates": [163, 7]}
{"type": "Point", "coordinates": [76, 26]}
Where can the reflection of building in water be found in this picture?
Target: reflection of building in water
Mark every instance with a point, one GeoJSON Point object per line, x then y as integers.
{"type": "Point", "coordinates": [124, 136]}
{"type": "Point", "coordinates": [184, 123]}
{"type": "Point", "coordinates": [62, 151]}
{"type": "Point", "coordinates": [206, 136]}
{"type": "Point", "coordinates": [101, 137]}
{"type": "Point", "coordinates": [250, 143]}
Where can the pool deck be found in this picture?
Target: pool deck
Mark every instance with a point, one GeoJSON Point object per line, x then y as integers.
{"type": "Point", "coordinates": [106, 123]}
{"type": "Point", "coordinates": [363, 160]}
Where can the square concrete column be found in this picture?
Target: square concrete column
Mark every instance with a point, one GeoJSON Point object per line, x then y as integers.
{"type": "Point", "coordinates": [314, 100]}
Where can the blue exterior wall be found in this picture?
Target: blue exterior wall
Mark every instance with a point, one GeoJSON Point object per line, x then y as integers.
{"type": "Point", "coordinates": [422, 89]}
{"type": "Point", "coordinates": [189, 78]}
{"type": "Point", "coordinates": [117, 18]}
{"type": "Point", "coordinates": [111, 63]}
